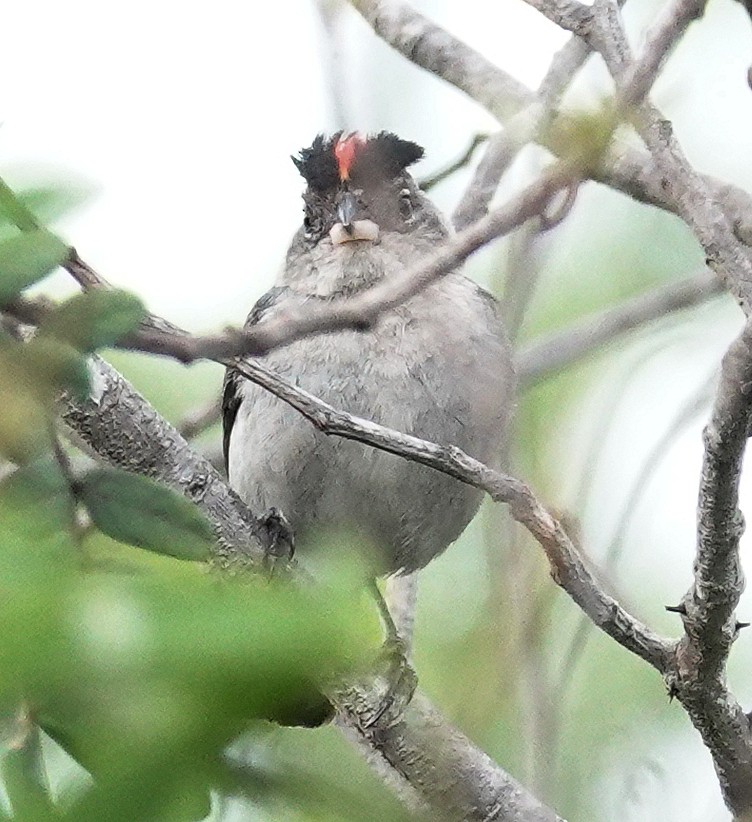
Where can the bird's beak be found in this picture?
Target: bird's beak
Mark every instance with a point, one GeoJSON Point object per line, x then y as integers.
{"type": "Point", "coordinates": [346, 211]}
{"type": "Point", "coordinates": [348, 228]}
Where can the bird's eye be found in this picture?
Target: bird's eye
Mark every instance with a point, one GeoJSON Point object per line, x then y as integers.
{"type": "Point", "coordinates": [405, 204]}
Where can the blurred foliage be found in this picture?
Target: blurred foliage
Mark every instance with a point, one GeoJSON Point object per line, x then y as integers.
{"type": "Point", "coordinates": [142, 667]}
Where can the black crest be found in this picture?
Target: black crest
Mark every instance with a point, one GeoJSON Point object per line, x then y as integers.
{"type": "Point", "coordinates": [318, 165]}
{"type": "Point", "coordinates": [383, 156]}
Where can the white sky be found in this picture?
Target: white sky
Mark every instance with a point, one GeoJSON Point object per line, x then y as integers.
{"type": "Point", "coordinates": [183, 116]}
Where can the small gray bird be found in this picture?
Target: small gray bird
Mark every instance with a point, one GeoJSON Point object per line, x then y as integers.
{"type": "Point", "coordinates": [438, 366]}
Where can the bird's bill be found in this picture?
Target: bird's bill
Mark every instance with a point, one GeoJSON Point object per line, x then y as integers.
{"type": "Point", "coordinates": [355, 230]}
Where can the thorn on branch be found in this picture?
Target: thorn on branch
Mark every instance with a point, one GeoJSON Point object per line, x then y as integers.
{"type": "Point", "coordinates": [739, 625]}
{"type": "Point", "coordinates": [677, 609]}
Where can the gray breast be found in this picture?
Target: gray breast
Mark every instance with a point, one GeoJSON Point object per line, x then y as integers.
{"type": "Point", "coordinates": [437, 368]}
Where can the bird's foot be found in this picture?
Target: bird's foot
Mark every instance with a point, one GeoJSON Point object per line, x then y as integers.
{"type": "Point", "coordinates": [279, 540]}
{"type": "Point", "coordinates": [382, 694]}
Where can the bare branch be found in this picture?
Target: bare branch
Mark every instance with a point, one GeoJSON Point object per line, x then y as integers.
{"type": "Point", "coordinates": [120, 426]}
{"type": "Point", "coordinates": [200, 419]}
{"type": "Point", "coordinates": [416, 747]}
{"type": "Point", "coordinates": [568, 568]}
{"type": "Point", "coordinates": [83, 273]}
{"type": "Point", "coordinates": [434, 49]}
{"type": "Point", "coordinates": [687, 192]}
{"type": "Point", "coordinates": [624, 168]}
{"type": "Point", "coordinates": [427, 183]}
{"type": "Point", "coordinates": [520, 129]}
{"type": "Point", "coordinates": [569, 14]}
{"type": "Point", "coordinates": [672, 22]}
{"type": "Point", "coordinates": [361, 310]}
{"type": "Point", "coordinates": [638, 77]}
{"type": "Point", "coordinates": [686, 415]}
{"type": "Point", "coordinates": [699, 678]}
{"type": "Point", "coordinates": [416, 755]}
{"type": "Point", "coordinates": [561, 348]}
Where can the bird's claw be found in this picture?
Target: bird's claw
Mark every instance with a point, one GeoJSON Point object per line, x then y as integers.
{"type": "Point", "coordinates": [382, 694]}
{"type": "Point", "coordinates": [279, 540]}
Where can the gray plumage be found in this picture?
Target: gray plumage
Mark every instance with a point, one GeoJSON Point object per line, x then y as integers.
{"type": "Point", "coordinates": [437, 366]}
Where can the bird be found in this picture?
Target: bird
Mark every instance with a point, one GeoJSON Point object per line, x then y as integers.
{"type": "Point", "coordinates": [438, 366]}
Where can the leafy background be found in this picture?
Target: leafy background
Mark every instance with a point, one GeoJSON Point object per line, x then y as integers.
{"type": "Point", "coordinates": [196, 201]}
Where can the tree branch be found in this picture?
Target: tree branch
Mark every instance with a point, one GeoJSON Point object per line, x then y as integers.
{"type": "Point", "coordinates": [699, 676]}
{"type": "Point", "coordinates": [363, 309]}
{"type": "Point", "coordinates": [200, 419]}
{"type": "Point", "coordinates": [687, 191]}
{"type": "Point", "coordinates": [624, 168]}
{"type": "Point", "coordinates": [568, 14]}
{"type": "Point", "coordinates": [120, 427]}
{"type": "Point", "coordinates": [568, 568]}
{"type": "Point", "coordinates": [504, 146]}
{"type": "Point", "coordinates": [417, 746]}
{"type": "Point", "coordinates": [434, 49]}
{"type": "Point", "coordinates": [559, 349]}
{"type": "Point", "coordinates": [102, 426]}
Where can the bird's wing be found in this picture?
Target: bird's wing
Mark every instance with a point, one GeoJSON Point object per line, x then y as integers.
{"type": "Point", "coordinates": [231, 394]}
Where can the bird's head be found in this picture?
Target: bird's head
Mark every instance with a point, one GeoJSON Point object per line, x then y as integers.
{"type": "Point", "coordinates": [359, 190]}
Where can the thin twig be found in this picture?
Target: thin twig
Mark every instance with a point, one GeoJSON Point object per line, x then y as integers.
{"type": "Point", "coordinates": [568, 568]}
{"type": "Point", "coordinates": [504, 146]}
{"type": "Point", "coordinates": [158, 336]}
{"type": "Point", "coordinates": [625, 168]}
{"type": "Point", "coordinates": [200, 419]}
{"type": "Point", "coordinates": [363, 309]}
{"type": "Point", "coordinates": [687, 414]}
{"type": "Point", "coordinates": [427, 183]}
{"type": "Point", "coordinates": [545, 356]}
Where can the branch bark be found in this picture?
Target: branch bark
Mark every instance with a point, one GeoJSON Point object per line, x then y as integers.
{"type": "Point", "coordinates": [698, 678]}
{"type": "Point", "coordinates": [504, 146]}
{"type": "Point", "coordinates": [120, 427]}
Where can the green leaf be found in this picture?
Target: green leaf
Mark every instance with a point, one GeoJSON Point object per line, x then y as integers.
{"type": "Point", "coordinates": [27, 258]}
{"type": "Point", "coordinates": [138, 511]}
{"type": "Point", "coordinates": [24, 421]}
{"type": "Point", "coordinates": [53, 200]}
{"type": "Point", "coordinates": [32, 376]}
{"type": "Point", "coordinates": [95, 319]}
{"type": "Point", "coordinates": [52, 366]}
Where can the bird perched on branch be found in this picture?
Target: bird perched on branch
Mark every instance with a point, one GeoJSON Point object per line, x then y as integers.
{"type": "Point", "coordinates": [437, 366]}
